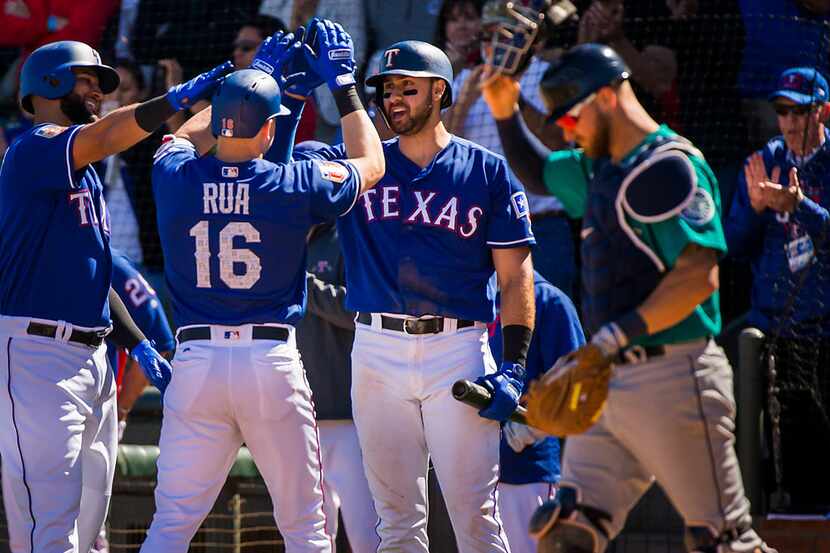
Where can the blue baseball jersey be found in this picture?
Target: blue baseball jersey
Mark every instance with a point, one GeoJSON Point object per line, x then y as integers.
{"type": "Point", "coordinates": [143, 305]}
{"type": "Point", "coordinates": [788, 251]}
{"type": "Point", "coordinates": [54, 232]}
{"type": "Point", "coordinates": [557, 332]}
{"type": "Point", "coordinates": [233, 234]}
{"type": "Point", "coordinates": [420, 241]}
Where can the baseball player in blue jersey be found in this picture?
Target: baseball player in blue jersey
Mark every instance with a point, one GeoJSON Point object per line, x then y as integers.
{"type": "Point", "coordinates": [419, 250]}
{"type": "Point", "coordinates": [529, 458]}
{"type": "Point", "coordinates": [56, 303]}
{"type": "Point", "coordinates": [233, 229]}
{"type": "Point", "coordinates": [650, 397]}
{"type": "Point", "coordinates": [146, 310]}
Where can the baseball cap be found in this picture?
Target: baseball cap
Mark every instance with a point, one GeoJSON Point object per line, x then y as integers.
{"type": "Point", "coordinates": [802, 85]}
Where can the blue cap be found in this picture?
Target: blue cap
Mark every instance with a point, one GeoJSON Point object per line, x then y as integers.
{"type": "Point", "coordinates": [802, 85]}
{"type": "Point", "coordinates": [243, 102]}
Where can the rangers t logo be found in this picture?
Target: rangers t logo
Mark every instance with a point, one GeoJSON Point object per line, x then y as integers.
{"type": "Point", "coordinates": [389, 55]}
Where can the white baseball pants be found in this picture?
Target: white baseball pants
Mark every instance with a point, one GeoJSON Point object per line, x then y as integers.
{"type": "Point", "coordinates": [517, 504]}
{"type": "Point", "coordinates": [345, 486]}
{"type": "Point", "coordinates": [58, 443]}
{"type": "Point", "coordinates": [405, 413]}
{"type": "Point", "coordinates": [225, 391]}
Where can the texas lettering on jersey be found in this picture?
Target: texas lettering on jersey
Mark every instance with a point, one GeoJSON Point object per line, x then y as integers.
{"type": "Point", "coordinates": [83, 202]}
{"type": "Point", "coordinates": [423, 207]}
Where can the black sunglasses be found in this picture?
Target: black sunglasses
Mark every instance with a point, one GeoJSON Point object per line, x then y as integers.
{"type": "Point", "coordinates": [783, 110]}
{"type": "Point", "coordinates": [245, 45]}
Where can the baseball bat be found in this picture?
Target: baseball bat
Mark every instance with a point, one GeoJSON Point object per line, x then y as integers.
{"type": "Point", "coordinates": [479, 397]}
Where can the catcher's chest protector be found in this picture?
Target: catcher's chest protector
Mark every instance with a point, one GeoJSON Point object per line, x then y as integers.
{"type": "Point", "coordinates": [617, 276]}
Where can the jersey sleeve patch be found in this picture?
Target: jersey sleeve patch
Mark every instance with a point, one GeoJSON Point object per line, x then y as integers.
{"type": "Point", "coordinates": [332, 171]}
{"type": "Point", "coordinates": [519, 203]}
{"type": "Point", "coordinates": [701, 209]}
{"type": "Point", "coordinates": [659, 188]}
{"type": "Point", "coordinates": [49, 131]}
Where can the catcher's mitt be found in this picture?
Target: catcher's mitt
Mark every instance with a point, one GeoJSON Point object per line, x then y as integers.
{"type": "Point", "coordinates": [569, 398]}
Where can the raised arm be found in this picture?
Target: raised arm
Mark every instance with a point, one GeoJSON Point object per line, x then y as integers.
{"type": "Point", "coordinates": [332, 57]}
{"type": "Point", "coordinates": [525, 156]}
{"type": "Point", "coordinates": [126, 126]}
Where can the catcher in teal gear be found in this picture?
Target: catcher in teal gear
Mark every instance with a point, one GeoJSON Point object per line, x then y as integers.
{"type": "Point", "coordinates": [651, 241]}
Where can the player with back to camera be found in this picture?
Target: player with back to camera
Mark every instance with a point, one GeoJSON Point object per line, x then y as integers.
{"type": "Point", "coordinates": [233, 228]}
{"type": "Point", "coordinates": [420, 249]}
{"type": "Point", "coordinates": [58, 443]}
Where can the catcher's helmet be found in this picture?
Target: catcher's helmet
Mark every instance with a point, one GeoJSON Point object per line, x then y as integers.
{"type": "Point", "coordinates": [47, 72]}
{"type": "Point", "coordinates": [413, 58]}
{"type": "Point", "coordinates": [243, 102]}
{"type": "Point", "coordinates": [513, 26]}
{"type": "Point", "coordinates": [580, 72]}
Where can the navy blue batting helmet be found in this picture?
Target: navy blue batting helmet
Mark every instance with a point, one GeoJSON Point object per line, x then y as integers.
{"type": "Point", "coordinates": [580, 72]}
{"type": "Point", "coordinates": [413, 58]}
{"type": "Point", "coordinates": [47, 72]}
{"type": "Point", "coordinates": [244, 101]}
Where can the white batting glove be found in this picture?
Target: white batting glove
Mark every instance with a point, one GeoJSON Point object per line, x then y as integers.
{"type": "Point", "coordinates": [519, 436]}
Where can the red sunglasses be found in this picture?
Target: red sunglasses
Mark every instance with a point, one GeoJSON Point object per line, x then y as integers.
{"type": "Point", "coordinates": [570, 119]}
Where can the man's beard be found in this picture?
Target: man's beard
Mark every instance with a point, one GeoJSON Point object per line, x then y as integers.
{"type": "Point", "coordinates": [414, 124]}
{"type": "Point", "coordinates": [75, 109]}
{"type": "Point", "coordinates": [600, 147]}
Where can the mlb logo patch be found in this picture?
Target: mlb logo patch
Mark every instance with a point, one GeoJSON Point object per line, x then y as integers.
{"type": "Point", "coordinates": [230, 172]}
{"type": "Point", "coordinates": [49, 131]}
{"type": "Point", "coordinates": [332, 171]}
{"type": "Point", "coordinates": [520, 207]}
{"type": "Point", "coordinates": [231, 335]}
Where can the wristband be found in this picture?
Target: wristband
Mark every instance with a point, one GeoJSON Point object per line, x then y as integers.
{"type": "Point", "coordinates": [516, 340]}
{"type": "Point", "coordinates": [632, 326]}
{"type": "Point", "coordinates": [347, 100]}
{"type": "Point", "coordinates": [151, 114]}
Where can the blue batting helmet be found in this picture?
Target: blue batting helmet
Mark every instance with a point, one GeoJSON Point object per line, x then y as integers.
{"type": "Point", "coordinates": [413, 58]}
{"type": "Point", "coordinates": [48, 71]}
{"type": "Point", "coordinates": [580, 72]}
{"type": "Point", "coordinates": [244, 101]}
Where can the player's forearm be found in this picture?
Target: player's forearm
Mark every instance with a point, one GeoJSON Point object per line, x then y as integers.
{"type": "Point", "coordinates": [814, 217]}
{"type": "Point", "coordinates": [525, 159]}
{"type": "Point", "coordinates": [363, 148]}
{"type": "Point", "coordinates": [693, 279]}
{"type": "Point", "coordinates": [515, 277]}
{"type": "Point", "coordinates": [125, 332]}
{"type": "Point", "coordinates": [286, 129]}
{"type": "Point", "coordinates": [197, 131]}
{"type": "Point", "coordinates": [328, 301]}
{"type": "Point", "coordinates": [537, 122]}
{"type": "Point", "coordinates": [113, 133]}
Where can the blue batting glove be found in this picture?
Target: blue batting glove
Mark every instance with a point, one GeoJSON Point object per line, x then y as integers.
{"type": "Point", "coordinates": [332, 54]}
{"type": "Point", "coordinates": [155, 367]}
{"type": "Point", "coordinates": [275, 52]}
{"type": "Point", "coordinates": [200, 87]}
{"type": "Point", "coordinates": [506, 386]}
{"type": "Point", "coordinates": [300, 78]}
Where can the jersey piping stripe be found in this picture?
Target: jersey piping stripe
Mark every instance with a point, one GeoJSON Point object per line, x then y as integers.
{"type": "Point", "coordinates": [353, 170]}
{"type": "Point", "coordinates": [523, 240]}
{"type": "Point", "coordinates": [497, 516]}
{"type": "Point", "coordinates": [19, 448]}
{"type": "Point", "coordinates": [69, 143]}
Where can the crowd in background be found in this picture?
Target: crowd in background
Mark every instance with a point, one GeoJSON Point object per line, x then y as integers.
{"type": "Point", "coordinates": [703, 67]}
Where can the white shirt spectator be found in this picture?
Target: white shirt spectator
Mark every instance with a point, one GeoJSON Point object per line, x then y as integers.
{"type": "Point", "coordinates": [480, 127]}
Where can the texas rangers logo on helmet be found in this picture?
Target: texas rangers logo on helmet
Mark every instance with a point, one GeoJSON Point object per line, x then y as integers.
{"type": "Point", "coordinates": [389, 56]}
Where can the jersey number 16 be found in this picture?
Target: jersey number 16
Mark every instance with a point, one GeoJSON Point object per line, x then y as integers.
{"type": "Point", "coordinates": [228, 255]}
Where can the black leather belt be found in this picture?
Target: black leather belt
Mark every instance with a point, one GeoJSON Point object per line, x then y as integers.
{"type": "Point", "coordinates": [257, 333]}
{"type": "Point", "coordinates": [639, 354]}
{"type": "Point", "coordinates": [91, 338]}
{"type": "Point", "coordinates": [412, 326]}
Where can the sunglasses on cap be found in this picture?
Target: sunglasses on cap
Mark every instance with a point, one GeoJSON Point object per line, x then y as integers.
{"type": "Point", "coordinates": [245, 45]}
{"type": "Point", "coordinates": [570, 119]}
{"type": "Point", "coordinates": [784, 109]}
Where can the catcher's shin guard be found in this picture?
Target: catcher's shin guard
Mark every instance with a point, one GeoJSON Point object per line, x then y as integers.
{"type": "Point", "coordinates": [563, 525]}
